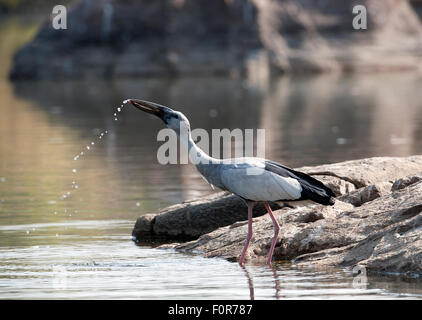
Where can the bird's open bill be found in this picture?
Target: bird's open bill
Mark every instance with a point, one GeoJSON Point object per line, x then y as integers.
{"type": "Point", "coordinates": [150, 107]}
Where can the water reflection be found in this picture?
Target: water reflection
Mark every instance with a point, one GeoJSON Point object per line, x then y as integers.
{"type": "Point", "coordinates": [111, 267]}
{"type": "Point", "coordinates": [251, 284]}
{"type": "Point", "coordinates": [276, 282]}
{"type": "Point", "coordinates": [308, 120]}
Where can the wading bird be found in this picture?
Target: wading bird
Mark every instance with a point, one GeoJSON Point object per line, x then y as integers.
{"type": "Point", "coordinates": [252, 179]}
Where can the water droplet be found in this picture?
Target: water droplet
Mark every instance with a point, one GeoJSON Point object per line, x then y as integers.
{"type": "Point", "coordinates": [68, 193]}
{"type": "Point", "coordinates": [115, 119]}
{"type": "Point", "coordinates": [106, 132]}
{"type": "Point", "coordinates": [76, 186]}
{"type": "Point", "coordinates": [2, 179]}
{"type": "Point", "coordinates": [55, 212]}
{"type": "Point", "coordinates": [76, 158]}
{"type": "Point", "coordinates": [115, 114]}
{"type": "Point", "coordinates": [119, 109]}
{"type": "Point", "coordinates": [92, 143]}
{"type": "Point", "coordinates": [88, 147]}
{"type": "Point", "coordinates": [82, 153]}
{"type": "Point", "coordinates": [57, 234]}
{"type": "Point", "coordinates": [74, 170]}
{"type": "Point", "coordinates": [27, 231]}
{"type": "Point", "coordinates": [126, 101]}
{"type": "Point", "coordinates": [138, 204]}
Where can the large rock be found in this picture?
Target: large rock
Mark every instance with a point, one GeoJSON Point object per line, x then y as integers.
{"type": "Point", "coordinates": [366, 194]}
{"type": "Point", "coordinates": [108, 38]}
{"type": "Point", "coordinates": [379, 226]}
{"type": "Point", "coordinates": [364, 172]}
{"type": "Point", "coordinates": [392, 229]}
{"type": "Point", "coordinates": [193, 218]}
{"type": "Point", "coordinates": [196, 217]}
{"type": "Point", "coordinates": [382, 235]}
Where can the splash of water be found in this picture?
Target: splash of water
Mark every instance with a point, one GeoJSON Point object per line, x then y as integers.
{"type": "Point", "coordinates": [89, 147]}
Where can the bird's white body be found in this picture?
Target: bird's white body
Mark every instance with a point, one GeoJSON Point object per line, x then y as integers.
{"type": "Point", "coordinates": [249, 179]}
{"type": "Point", "coordinates": [245, 177]}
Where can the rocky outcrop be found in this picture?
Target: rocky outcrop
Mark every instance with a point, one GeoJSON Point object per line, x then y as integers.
{"type": "Point", "coordinates": [107, 38]}
{"type": "Point", "coordinates": [193, 218]}
{"type": "Point", "coordinates": [387, 231]}
{"type": "Point", "coordinates": [377, 223]}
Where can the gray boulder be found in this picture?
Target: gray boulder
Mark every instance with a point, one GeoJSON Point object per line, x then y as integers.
{"type": "Point", "coordinates": [382, 235]}
{"type": "Point", "coordinates": [196, 217]}
{"type": "Point", "coordinates": [377, 226]}
{"type": "Point", "coordinates": [193, 218]}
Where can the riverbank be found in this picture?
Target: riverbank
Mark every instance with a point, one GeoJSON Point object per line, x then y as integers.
{"type": "Point", "coordinates": [376, 221]}
{"type": "Point", "coordinates": [114, 38]}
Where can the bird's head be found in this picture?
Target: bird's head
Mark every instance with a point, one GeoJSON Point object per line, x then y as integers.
{"type": "Point", "coordinates": [173, 119]}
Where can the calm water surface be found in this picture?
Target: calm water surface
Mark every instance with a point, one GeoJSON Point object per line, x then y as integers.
{"type": "Point", "coordinates": [80, 247]}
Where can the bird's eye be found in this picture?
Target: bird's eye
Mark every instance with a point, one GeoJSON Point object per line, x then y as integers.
{"type": "Point", "coordinates": [176, 116]}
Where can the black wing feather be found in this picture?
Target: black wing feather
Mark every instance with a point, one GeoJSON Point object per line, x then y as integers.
{"type": "Point", "coordinates": [312, 188]}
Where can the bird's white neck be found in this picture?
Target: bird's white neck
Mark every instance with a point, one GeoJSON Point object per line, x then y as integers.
{"type": "Point", "coordinates": [196, 154]}
{"type": "Point", "coordinates": [206, 165]}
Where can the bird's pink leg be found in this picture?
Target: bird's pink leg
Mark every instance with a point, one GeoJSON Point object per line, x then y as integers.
{"type": "Point", "coordinates": [276, 230]}
{"type": "Point", "coordinates": [249, 236]}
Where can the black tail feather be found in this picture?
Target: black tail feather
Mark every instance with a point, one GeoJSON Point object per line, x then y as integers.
{"type": "Point", "coordinates": [312, 188]}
